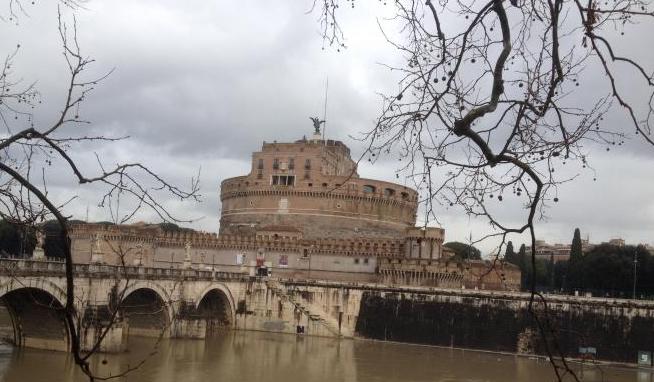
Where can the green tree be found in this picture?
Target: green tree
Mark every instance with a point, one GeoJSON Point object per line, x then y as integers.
{"type": "Point", "coordinates": [576, 275]}
{"type": "Point", "coordinates": [522, 257]}
{"type": "Point", "coordinates": [510, 255]}
{"type": "Point", "coordinates": [609, 270]}
{"type": "Point", "coordinates": [463, 251]}
{"type": "Point", "coordinates": [576, 251]}
{"type": "Point", "coordinates": [16, 240]}
{"type": "Point", "coordinates": [561, 275]}
{"type": "Point", "coordinates": [522, 264]}
{"type": "Point", "coordinates": [172, 227]}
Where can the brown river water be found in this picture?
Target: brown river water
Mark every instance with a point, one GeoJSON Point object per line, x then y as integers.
{"type": "Point", "coordinates": [257, 356]}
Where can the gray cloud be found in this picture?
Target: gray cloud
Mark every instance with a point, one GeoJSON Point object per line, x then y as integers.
{"type": "Point", "coordinates": [202, 85]}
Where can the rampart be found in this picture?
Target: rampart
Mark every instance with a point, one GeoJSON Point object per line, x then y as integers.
{"type": "Point", "coordinates": [313, 186]}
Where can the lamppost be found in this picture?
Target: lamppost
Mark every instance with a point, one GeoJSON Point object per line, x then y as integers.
{"type": "Point", "coordinates": [635, 265]}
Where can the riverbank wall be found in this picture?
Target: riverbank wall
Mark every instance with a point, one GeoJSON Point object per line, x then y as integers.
{"type": "Point", "coordinates": [604, 329]}
{"type": "Point", "coordinates": [612, 330]}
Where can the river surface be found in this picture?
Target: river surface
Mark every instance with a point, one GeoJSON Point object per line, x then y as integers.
{"type": "Point", "coordinates": [257, 356]}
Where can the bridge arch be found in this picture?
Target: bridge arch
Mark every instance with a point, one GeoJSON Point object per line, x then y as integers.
{"type": "Point", "coordinates": [216, 302]}
{"type": "Point", "coordinates": [35, 283]}
{"type": "Point", "coordinates": [148, 309]}
{"type": "Point", "coordinates": [33, 309]}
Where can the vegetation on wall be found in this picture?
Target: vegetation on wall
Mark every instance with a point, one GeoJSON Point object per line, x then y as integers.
{"type": "Point", "coordinates": [463, 251]}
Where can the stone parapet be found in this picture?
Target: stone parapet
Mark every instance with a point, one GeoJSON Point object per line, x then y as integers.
{"type": "Point", "coordinates": [265, 240]}
{"type": "Point", "coordinates": [450, 274]}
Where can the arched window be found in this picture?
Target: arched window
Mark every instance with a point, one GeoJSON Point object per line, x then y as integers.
{"type": "Point", "coordinates": [368, 189]}
{"type": "Point", "coordinates": [389, 192]}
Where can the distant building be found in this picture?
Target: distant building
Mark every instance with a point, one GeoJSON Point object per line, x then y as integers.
{"type": "Point", "coordinates": [561, 252]}
{"type": "Point", "coordinates": [616, 241]}
{"type": "Point", "coordinates": [303, 212]}
{"type": "Point", "coordinates": [557, 252]}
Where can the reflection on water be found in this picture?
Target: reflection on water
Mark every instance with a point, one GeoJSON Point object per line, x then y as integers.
{"type": "Point", "coordinates": [256, 356]}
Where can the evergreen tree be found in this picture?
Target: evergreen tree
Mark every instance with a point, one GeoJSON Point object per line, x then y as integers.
{"type": "Point", "coordinates": [522, 256]}
{"type": "Point", "coordinates": [522, 263]}
{"type": "Point", "coordinates": [576, 249]}
{"type": "Point", "coordinates": [510, 255]}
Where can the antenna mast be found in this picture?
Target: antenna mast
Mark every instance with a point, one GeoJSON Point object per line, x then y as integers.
{"type": "Point", "coordinates": [324, 115]}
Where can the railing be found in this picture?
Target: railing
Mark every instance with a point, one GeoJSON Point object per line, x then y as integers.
{"type": "Point", "coordinates": [479, 293]}
{"type": "Point", "coordinates": [56, 267]}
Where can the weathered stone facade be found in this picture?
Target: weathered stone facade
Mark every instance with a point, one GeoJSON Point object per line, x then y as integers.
{"type": "Point", "coordinates": [302, 212]}
{"type": "Point", "coordinates": [502, 321]}
{"type": "Point", "coordinates": [313, 186]}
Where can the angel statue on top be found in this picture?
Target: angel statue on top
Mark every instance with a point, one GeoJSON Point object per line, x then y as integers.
{"type": "Point", "coordinates": [316, 124]}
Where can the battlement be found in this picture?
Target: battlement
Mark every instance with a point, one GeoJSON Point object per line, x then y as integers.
{"type": "Point", "coordinates": [272, 238]}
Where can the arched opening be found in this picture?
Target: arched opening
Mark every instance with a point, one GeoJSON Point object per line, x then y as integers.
{"type": "Point", "coordinates": [369, 189]}
{"type": "Point", "coordinates": [216, 310]}
{"type": "Point", "coordinates": [34, 318]}
{"type": "Point", "coordinates": [146, 313]}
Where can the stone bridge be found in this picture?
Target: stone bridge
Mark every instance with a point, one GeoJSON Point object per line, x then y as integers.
{"type": "Point", "coordinates": [191, 303]}
{"type": "Point", "coordinates": [168, 302]}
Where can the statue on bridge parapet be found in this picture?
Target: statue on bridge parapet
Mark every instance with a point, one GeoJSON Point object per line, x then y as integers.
{"type": "Point", "coordinates": [187, 256]}
{"type": "Point", "coordinates": [39, 252]}
{"type": "Point", "coordinates": [97, 255]}
{"type": "Point", "coordinates": [138, 260]}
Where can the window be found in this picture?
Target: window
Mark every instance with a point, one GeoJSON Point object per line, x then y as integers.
{"type": "Point", "coordinates": [389, 192]}
{"type": "Point", "coordinates": [291, 163]}
{"type": "Point", "coordinates": [365, 261]}
{"type": "Point", "coordinates": [283, 180]}
{"type": "Point", "coordinates": [307, 164]}
{"type": "Point", "coordinates": [276, 164]}
{"type": "Point", "coordinates": [368, 189]}
{"type": "Point", "coordinates": [356, 261]}
{"type": "Point", "coordinates": [405, 196]}
{"type": "Point", "coordinates": [305, 253]}
{"type": "Point", "coordinates": [260, 165]}
{"type": "Point", "coordinates": [307, 175]}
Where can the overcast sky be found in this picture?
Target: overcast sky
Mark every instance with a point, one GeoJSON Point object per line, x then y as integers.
{"type": "Point", "coordinates": [200, 85]}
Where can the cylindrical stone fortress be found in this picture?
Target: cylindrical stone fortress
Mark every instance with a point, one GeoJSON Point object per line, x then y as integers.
{"type": "Point", "coordinates": [313, 186]}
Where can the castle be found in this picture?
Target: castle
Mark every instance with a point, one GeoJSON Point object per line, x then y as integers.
{"type": "Point", "coordinates": [303, 211]}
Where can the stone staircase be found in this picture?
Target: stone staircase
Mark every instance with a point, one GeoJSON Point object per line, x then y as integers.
{"type": "Point", "coordinates": [314, 312]}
